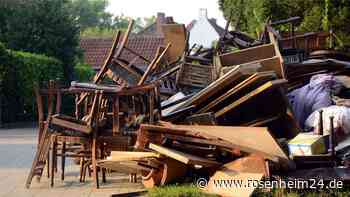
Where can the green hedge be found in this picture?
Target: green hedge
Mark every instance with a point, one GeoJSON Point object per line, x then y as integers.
{"type": "Point", "coordinates": [84, 72]}
{"type": "Point", "coordinates": [20, 71]}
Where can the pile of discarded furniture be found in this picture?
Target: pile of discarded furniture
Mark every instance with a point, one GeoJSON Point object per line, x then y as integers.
{"type": "Point", "coordinates": [198, 112]}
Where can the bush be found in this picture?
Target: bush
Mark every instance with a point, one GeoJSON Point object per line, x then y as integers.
{"type": "Point", "coordinates": [20, 71]}
{"type": "Point", "coordinates": [84, 72]}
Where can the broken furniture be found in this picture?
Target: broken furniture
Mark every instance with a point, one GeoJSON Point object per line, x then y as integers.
{"type": "Point", "coordinates": [83, 127]}
{"type": "Point", "coordinates": [259, 58]}
{"type": "Point", "coordinates": [41, 158]}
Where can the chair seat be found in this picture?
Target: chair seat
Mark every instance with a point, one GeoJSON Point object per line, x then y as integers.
{"type": "Point", "coordinates": [70, 123]}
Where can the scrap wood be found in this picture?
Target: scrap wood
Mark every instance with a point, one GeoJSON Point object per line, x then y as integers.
{"type": "Point", "coordinates": [183, 157]}
{"type": "Point", "coordinates": [195, 75]}
{"type": "Point", "coordinates": [268, 86]}
{"type": "Point", "coordinates": [251, 82]}
{"type": "Point", "coordinates": [130, 155]}
{"type": "Point", "coordinates": [153, 65]}
{"type": "Point", "coordinates": [233, 77]}
{"type": "Point", "coordinates": [262, 121]}
{"type": "Point", "coordinates": [243, 138]}
{"type": "Point", "coordinates": [171, 170]}
{"type": "Point", "coordinates": [176, 34]}
{"type": "Point", "coordinates": [268, 64]}
{"type": "Point", "coordinates": [123, 166]}
{"type": "Point", "coordinates": [173, 116]}
{"type": "Point", "coordinates": [242, 170]}
{"type": "Point", "coordinates": [247, 55]}
{"type": "Point", "coordinates": [202, 119]}
{"type": "Point", "coordinates": [130, 194]}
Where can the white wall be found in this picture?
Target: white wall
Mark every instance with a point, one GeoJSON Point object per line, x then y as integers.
{"type": "Point", "coordinates": [202, 33]}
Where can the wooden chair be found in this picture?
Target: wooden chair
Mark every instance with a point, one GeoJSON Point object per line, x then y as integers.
{"type": "Point", "coordinates": [122, 72]}
{"type": "Point", "coordinates": [82, 131]}
{"type": "Point", "coordinates": [42, 157]}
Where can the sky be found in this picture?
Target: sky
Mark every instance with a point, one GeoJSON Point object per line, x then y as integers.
{"type": "Point", "coordinates": [183, 11]}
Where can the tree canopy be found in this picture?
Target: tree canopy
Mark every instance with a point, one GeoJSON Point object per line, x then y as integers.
{"type": "Point", "coordinates": [91, 13]}
{"type": "Point", "coordinates": [41, 26]}
{"type": "Point", "coordinates": [317, 15]}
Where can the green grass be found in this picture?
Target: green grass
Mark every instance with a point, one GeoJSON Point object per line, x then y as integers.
{"type": "Point", "coordinates": [188, 190]}
{"type": "Point", "coordinates": [302, 193]}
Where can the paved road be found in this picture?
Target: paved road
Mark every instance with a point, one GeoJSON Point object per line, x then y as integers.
{"type": "Point", "coordinates": [17, 146]}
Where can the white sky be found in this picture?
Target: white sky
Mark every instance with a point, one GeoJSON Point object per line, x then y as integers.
{"type": "Point", "coordinates": [183, 11]}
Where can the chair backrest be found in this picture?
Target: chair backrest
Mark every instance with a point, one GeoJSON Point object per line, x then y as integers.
{"type": "Point", "coordinates": [94, 114]}
{"type": "Point", "coordinates": [50, 94]}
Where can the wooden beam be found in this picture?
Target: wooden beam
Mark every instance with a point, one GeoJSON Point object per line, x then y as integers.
{"type": "Point", "coordinates": [242, 170]}
{"type": "Point", "coordinates": [175, 34]}
{"type": "Point", "coordinates": [248, 55]}
{"type": "Point", "coordinates": [131, 155]}
{"type": "Point", "coordinates": [233, 77]}
{"type": "Point", "coordinates": [183, 157]}
{"type": "Point", "coordinates": [107, 61]}
{"type": "Point", "coordinates": [252, 81]}
{"type": "Point", "coordinates": [266, 87]}
{"type": "Point", "coordinates": [152, 66]}
{"type": "Point", "coordinates": [244, 137]}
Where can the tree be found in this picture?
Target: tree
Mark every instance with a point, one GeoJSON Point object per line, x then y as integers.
{"type": "Point", "coordinates": [91, 13]}
{"type": "Point", "coordinates": [120, 22]}
{"type": "Point", "coordinates": [317, 15]}
{"type": "Point", "coordinates": [41, 26]}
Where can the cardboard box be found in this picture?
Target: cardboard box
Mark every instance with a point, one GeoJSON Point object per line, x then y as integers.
{"type": "Point", "coordinates": [305, 144]}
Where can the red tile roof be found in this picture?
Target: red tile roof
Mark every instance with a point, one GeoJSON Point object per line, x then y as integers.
{"type": "Point", "coordinates": [95, 50]}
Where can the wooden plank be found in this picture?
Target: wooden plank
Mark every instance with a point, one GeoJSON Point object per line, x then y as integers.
{"type": "Point", "coordinates": [156, 134]}
{"type": "Point", "coordinates": [131, 155]}
{"type": "Point", "coordinates": [202, 119]}
{"type": "Point", "coordinates": [125, 73]}
{"type": "Point", "coordinates": [269, 64]}
{"type": "Point", "coordinates": [248, 55]}
{"type": "Point", "coordinates": [266, 87]}
{"type": "Point", "coordinates": [220, 143]}
{"type": "Point", "coordinates": [261, 122]}
{"type": "Point", "coordinates": [153, 65]}
{"type": "Point", "coordinates": [233, 77]}
{"type": "Point", "coordinates": [71, 125]}
{"type": "Point", "coordinates": [252, 81]}
{"type": "Point", "coordinates": [175, 34]}
{"type": "Point", "coordinates": [242, 170]}
{"type": "Point", "coordinates": [116, 110]}
{"type": "Point", "coordinates": [244, 137]}
{"type": "Point", "coordinates": [126, 167]}
{"type": "Point", "coordinates": [107, 61]}
{"type": "Point", "coordinates": [183, 157]}
{"type": "Point", "coordinates": [274, 41]}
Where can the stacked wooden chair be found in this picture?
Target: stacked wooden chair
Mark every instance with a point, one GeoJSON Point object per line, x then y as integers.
{"type": "Point", "coordinates": [86, 129]}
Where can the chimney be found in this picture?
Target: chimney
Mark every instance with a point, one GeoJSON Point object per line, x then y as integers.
{"type": "Point", "coordinates": [169, 20]}
{"type": "Point", "coordinates": [161, 19]}
{"type": "Point", "coordinates": [203, 13]}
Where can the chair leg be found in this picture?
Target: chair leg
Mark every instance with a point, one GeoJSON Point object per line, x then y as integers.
{"type": "Point", "coordinates": [104, 175]}
{"type": "Point", "coordinates": [81, 169]}
{"type": "Point", "coordinates": [102, 156]}
{"type": "Point", "coordinates": [53, 157]}
{"type": "Point", "coordinates": [94, 164]}
{"type": "Point", "coordinates": [86, 167]}
{"type": "Point", "coordinates": [63, 160]}
{"type": "Point", "coordinates": [132, 178]}
{"type": "Point", "coordinates": [48, 164]}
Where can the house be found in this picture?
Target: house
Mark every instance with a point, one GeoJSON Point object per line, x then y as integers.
{"type": "Point", "coordinates": [204, 31]}
{"type": "Point", "coordinates": [145, 42]}
{"type": "Point", "coordinates": [155, 29]}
